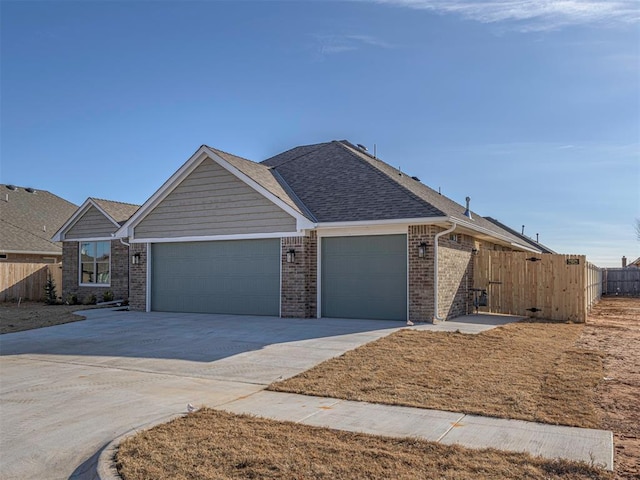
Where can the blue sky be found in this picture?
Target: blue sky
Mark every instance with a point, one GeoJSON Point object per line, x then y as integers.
{"type": "Point", "coordinates": [531, 108]}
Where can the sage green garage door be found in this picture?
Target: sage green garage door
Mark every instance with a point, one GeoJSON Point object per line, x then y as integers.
{"type": "Point", "coordinates": [364, 277]}
{"type": "Point", "coordinates": [237, 277]}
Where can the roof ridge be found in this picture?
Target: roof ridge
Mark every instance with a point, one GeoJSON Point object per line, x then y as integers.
{"type": "Point", "coordinates": [319, 145]}
{"type": "Point", "coordinates": [114, 201]}
{"type": "Point", "coordinates": [294, 196]}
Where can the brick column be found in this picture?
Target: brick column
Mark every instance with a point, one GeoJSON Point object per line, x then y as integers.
{"type": "Point", "coordinates": [69, 269]}
{"type": "Point", "coordinates": [299, 286]}
{"type": "Point", "coordinates": [138, 278]}
{"type": "Point", "coordinates": [420, 273]}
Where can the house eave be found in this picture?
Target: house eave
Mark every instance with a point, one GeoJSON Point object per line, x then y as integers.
{"type": "Point", "coordinates": [31, 252]}
{"type": "Point", "coordinates": [392, 221]}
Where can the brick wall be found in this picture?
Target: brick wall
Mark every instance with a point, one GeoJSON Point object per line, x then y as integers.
{"type": "Point", "coordinates": [421, 273]}
{"type": "Point", "coordinates": [119, 273]}
{"type": "Point", "coordinates": [299, 285]}
{"type": "Point", "coordinates": [138, 278]}
{"type": "Point", "coordinates": [455, 276]}
{"type": "Point", "coordinates": [31, 258]}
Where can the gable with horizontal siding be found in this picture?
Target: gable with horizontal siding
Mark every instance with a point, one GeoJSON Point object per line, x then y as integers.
{"type": "Point", "coordinates": [212, 201]}
{"type": "Point", "coordinates": [92, 224]}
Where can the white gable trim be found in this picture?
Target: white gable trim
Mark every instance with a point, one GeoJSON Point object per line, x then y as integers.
{"type": "Point", "coordinates": [84, 208]}
{"type": "Point", "coordinates": [301, 221]}
{"type": "Point", "coordinates": [127, 230]}
{"type": "Point", "coordinates": [209, 238]}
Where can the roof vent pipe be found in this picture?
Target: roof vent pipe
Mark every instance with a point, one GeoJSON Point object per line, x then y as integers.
{"type": "Point", "coordinates": [467, 212]}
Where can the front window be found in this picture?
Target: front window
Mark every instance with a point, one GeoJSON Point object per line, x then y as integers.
{"type": "Point", "coordinates": [95, 263]}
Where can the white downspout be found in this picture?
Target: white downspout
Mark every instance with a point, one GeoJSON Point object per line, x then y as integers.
{"type": "Point", "coordinates": [436, 318]}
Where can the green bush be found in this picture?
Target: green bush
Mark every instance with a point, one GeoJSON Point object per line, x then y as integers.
{"type": "Point", "coordinates": [51, 297]}
{"type": "Point", "coordinates": [107, 296]}
{"type": "Point", "coordinates": [91, 300]}
{"type": "Point", "coordinates": [72, 299]}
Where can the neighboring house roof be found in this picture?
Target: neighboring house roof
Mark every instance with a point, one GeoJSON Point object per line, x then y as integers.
{"type": "Point", "coordinates": [529, 240]}
{"type": "Point", "coordinates": [28, 217]}
{"type": "Point", "coordinates": [115, 212]}
{"type": "Point", "coordinates": [635, 263]}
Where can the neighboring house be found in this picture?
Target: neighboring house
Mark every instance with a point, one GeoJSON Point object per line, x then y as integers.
{"type": "Point", "coordinates": [28, 217]}
{"type": "Point", "coordinates": [95, 261]}
{"type": "Point", "coordinates": [528, 240]}
{"type": "Point", "coordinates": [635, 263]}
{"type": "Point", "coordinates": [323, 230]}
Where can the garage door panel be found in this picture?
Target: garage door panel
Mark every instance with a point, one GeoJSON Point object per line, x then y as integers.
{"type": "Point", "coordinates": [235, 277]}
{"type": "Point", "coordinates": [364, 277]}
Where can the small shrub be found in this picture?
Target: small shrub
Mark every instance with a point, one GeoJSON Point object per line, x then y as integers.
{"type": "Point", "coordinates": [51, 297]}
{"type": "Point", "coordinates": [107, 296]}
{"type": "Point", "coordinates": [91, 300]}
{"type": "Point", "coordinates": [72, 299]}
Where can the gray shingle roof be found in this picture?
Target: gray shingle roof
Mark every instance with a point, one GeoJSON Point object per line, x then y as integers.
{"type": "Point", "coordinates": [524, 238]}
{"type": "Point", "coordinates": [28, 219]}
{"type": "Point", "coordinates": [119, 211]}
{"type": "Point", "coordinates": [338, 182]}
{"type": "Point", "coordinates": [336, 185]}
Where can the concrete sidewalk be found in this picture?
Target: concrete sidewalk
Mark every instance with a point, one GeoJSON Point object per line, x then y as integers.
{"type": "Point", "coordinates": [548, 441]}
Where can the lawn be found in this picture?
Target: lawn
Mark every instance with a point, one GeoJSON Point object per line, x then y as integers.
{"type": "Point", "coordinates": [210, 444]}
{"type": "Point", "coordinates": [528, 370]}
{"type": "Point", "coordinates": [16, 317]}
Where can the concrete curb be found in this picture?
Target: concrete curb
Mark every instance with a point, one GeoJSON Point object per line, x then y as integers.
{"type": "Point", "coordinates": [106, 466]}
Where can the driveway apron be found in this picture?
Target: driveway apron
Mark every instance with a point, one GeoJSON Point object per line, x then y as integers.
{"type": "Point", "coordinates": [67, 391]}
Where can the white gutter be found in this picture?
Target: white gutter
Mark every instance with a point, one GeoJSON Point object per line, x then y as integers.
{"type": "Point", "coordinates": [393, 221]}
{"type": "Point", "coordinates": [435, 272]}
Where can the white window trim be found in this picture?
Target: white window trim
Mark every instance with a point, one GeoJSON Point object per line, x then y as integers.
{"type": "Point", "coordinates": [80, 242]}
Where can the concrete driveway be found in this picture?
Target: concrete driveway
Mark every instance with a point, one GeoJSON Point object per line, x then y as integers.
{"type": "Point", "coordinates": [67, 391]}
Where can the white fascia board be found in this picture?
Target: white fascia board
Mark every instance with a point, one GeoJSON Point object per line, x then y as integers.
{"type": "Point", "coordinates": [210, 238]}
{"type": "Point", "coordinates": [302, 222]}
{"type": "Point", "coordinates": [524, 247]}
{"type": "Point", "coordinates": [485, 231]}
{"type": "Point", "coordinates": [375, 223]}
{"type": "Point", "coordinates": [126, 230]}
{"type": "Point", "coordinates": [363, 231]}
{"type": "Point", "coordinates": [90, 239]}
{"type": "Point", "coordinates": [27, 252]}
{"type": "Point", "coordinates": [82, 209]}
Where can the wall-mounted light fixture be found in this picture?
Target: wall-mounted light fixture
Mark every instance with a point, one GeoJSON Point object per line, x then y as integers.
{"type": "Point", "coordinates": [474, 251]}
{"type": "Point", "coordinates": [291, 255]}
{"type": "Point", "coordinates": [135, 259]}
{"type": "Point", "coordinates": [422, 250]}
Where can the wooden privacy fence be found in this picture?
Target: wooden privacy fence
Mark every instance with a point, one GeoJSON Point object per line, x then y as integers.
{"type": "Point", "coordinates": [26, 281]}
{"type": "Point", "coordinates": [555, 287]}
{"type": "Point", "coordinates": [621, 281]}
